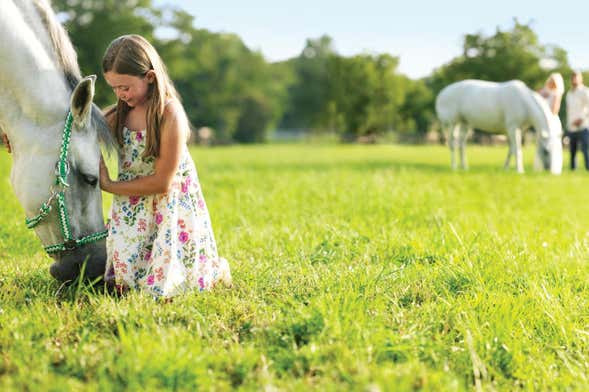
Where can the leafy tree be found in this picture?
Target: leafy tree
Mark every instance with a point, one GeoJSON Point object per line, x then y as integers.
{"type": "Point", "coordinates": [506, 55]}
{"type": "Point", "coordinates": [93, 24]}
{"type": "Point", "coordinates": [365, 94]}
{"type": "Point", "coordinates": [307, 95]}
{"type": "Point", "coordinates": [417, 109]}
{"type": "Point", "coordinates": [224, 84]}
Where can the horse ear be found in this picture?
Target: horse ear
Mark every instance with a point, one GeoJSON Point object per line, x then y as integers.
{"type": "Point", "coordinates": [81, 101]}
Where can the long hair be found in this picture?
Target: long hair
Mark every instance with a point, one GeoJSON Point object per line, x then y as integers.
{"type": "Point", "coordinates": [134, 55]}
{"type": "Point", "coordinates": [558, 82]}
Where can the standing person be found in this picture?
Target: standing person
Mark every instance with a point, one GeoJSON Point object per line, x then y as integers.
{"type": "Point", "coordinates": [552, 91]}
{"type": "Point", "coordinates": [577, 102]}
{"type": "Point", "coordinates": [160, 238]}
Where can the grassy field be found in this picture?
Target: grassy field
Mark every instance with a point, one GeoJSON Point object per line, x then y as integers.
{"type": "Point", "coordinates": [355, 267]}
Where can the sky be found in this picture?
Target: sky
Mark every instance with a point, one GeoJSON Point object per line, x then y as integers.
{"type": "Point", "coordinates": [423, 34]}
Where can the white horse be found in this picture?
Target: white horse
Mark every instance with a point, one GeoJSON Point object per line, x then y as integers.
{"type": "Point", "coordinates": [54, 179]}
{"type": "Point", "coordinates": [508, 107]}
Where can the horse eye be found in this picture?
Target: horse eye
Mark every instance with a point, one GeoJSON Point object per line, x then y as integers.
{"type": "Point", "coordinates": [90, 180]}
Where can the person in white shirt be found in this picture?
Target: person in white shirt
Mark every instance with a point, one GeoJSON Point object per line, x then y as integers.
{"type": "Point", "coordinates": [577, 102]}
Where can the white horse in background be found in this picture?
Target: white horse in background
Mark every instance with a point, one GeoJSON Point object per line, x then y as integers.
{"type": "Point", "coordinates": [508, 107]}
{"type": "Point", "coordinates": [40, 83]}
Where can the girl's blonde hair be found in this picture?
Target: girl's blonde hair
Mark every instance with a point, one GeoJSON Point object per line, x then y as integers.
{"type": "Point", "coordinates": [134, 55]}
{"type": "Point", "coordinates": [558, 82]}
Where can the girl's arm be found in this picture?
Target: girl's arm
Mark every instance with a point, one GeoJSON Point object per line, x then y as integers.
{"type": "Point", "coordinates": [556, 104]}
{"type": "Point", "coordinates": [172, 140]}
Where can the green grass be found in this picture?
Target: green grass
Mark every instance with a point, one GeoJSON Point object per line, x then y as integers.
{"type": "Point", "coordinates": [355, 268]}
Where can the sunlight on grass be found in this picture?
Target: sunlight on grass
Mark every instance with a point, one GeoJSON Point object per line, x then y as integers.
{"type": "Point", "coordinates": [355, 267]}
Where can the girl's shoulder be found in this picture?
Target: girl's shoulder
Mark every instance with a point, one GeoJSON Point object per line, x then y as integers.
{"type": "Point", "coordinates": [172, 106]}
{"type": "Point", "coordinates": [175, 117]}
{"type": "Point", "coordinates": [173, 111]}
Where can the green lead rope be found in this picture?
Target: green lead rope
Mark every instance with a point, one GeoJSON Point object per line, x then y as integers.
{"type": "Point", "coordinates": [62, 165]}
{"type": "Point", "coordinates": [61, 172]}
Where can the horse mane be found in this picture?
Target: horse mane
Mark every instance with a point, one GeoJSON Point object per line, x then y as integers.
{"type": "Point", "coordinates": [62, 45]}
{"type": "Point", "coordinates": [538, 104]}
{"type": "Point", "coordinates": [68, 61]}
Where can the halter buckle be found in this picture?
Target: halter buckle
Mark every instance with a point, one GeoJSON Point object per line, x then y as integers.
{"type": "Point", "coordinates": [70, 245]}
{"type": "Point", "coordinates": [67, 167]}
{"type": "Point", "coordinates": [62, 180]}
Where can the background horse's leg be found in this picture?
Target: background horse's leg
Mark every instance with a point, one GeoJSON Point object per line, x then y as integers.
{"type": "Point", "coordinates": [515, 148]}
{"type": "Point", "coordinates": [453, 131]}
{"type": "Point", "coordinates": [519, 156]}
{"type": "Point", "coordinates": [509, 153]}
{"type": "Point", "coordinates": [538, 165]}
{"type": "Point", "coordinates": [463, 135]}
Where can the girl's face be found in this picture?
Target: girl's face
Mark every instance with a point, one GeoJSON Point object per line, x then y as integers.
{"type": "Point", "coordinates": [128, 88]}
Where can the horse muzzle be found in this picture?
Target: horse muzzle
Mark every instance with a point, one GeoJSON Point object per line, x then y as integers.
{"type": "Point", "coordinates": [89, 260]}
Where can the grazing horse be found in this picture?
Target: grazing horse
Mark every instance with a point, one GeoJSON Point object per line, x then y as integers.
{"type": "Point", "coordinates": [54, 129]}
{"type": "Point", "coordinates": [508, 107]}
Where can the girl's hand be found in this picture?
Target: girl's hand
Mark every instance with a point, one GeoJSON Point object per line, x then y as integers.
{"type": "Point", "coordinates": [105, 180]}
{"type": "Point", "coordinates": [6, 142]}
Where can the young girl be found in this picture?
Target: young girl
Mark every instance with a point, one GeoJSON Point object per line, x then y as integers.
{"type": "Point", "coordinates": [160, 238]}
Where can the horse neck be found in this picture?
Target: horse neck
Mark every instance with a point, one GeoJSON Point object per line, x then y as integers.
{"type": "Point", "coordinates": [538, 114]}
{"type": "Point", "coordinates": [33, 90]}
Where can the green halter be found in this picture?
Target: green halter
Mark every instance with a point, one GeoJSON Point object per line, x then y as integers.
{"type": "Point", "coordinates": [62, 170]}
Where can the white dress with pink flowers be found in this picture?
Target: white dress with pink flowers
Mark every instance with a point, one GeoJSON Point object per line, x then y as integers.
{"type": "Point", "coordinates": [161, 243]}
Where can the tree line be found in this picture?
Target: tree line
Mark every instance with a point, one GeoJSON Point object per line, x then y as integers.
{"type": "Point", "coordinates": [232, 89]}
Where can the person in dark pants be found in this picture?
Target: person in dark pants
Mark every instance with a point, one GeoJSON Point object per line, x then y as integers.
{"type": "Point", "coordinates": [577, 138]}
{"type": "Point", "coordinates": [577, 101]}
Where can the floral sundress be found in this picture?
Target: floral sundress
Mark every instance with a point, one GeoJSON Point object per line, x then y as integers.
{"type": "Point", "coordinates": [161, 243]}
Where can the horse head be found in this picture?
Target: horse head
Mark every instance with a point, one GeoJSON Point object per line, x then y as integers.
{"type": "Point", "coordinates": [549, 139]}
{"type": "Point", "coordinates": [55, 177]}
